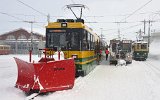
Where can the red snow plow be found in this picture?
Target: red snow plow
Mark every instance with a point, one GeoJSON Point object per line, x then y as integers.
{"type": "Point", "coordinates": [46, 75]}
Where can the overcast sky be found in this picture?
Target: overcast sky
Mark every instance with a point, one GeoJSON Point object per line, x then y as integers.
{"type": "Point", "coordinates": [104, 12]}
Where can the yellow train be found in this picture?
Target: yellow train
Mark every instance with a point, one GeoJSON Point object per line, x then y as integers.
{"type": "Point", "coordinates": [140, 50]}
{"type": "Point", "coordinates": [76, 40]}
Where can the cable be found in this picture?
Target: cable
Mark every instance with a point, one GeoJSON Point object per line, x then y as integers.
{"type": "Point", "coordinates": [31, 8]}
{"type": "Point", "coordinates": [123, 29]}
{"type": "Point", "coordinates": [11, 15]}
{"type": "Point", "coordinates": [21, 20]}
{"type": "Point", "coordinates": [73, 1]}
{"type": "Point", "coordinates": [137, 10]}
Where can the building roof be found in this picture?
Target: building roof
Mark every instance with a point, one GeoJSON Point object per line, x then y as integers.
{"type": "Point", "coordinates": [20, 32]}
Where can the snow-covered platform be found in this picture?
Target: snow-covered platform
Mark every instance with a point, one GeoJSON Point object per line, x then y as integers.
{"type": "Point", "coordinates": [137, 81]}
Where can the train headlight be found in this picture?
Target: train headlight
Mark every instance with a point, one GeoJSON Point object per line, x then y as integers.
{"type": "Point", "coordinates": [127, 55]}
{"type": "Point", "coordinates": [113, 54]}
{"type": "Point", "coordinates": [64, 25]}
{"type": "Point", "coordinates": [145, 53]}
{"type": "Point", "coordinates": [74, 56]}
{"type": "Point", "coordinates": [137, 53]}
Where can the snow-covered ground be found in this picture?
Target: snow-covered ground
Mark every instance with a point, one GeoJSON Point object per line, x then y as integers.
{"type": "Point", "coordinates": [137, 81]}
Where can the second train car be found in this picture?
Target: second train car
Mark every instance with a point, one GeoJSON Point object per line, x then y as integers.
{"type": "Point", "coordinates": [120, 49]}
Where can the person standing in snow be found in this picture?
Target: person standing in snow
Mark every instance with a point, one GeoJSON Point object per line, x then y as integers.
{"type": "Point", "coordinates": [106, 52]}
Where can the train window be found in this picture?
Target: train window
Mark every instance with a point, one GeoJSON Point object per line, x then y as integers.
{"type": "Point", "coordinates": [144, 46]}
{"type": "Point", "coordinates": [114, 46]}
{"type": "Point", "coordinates": [92, 42]}
{"type": "Point", "coordinates": [68, 40]}
{"type": "Point", "coordinates": [58, 39]}
{"type": "Point", "coordinates": [55, 40]}
{"type": "Point", "coordinates": [48, 39]}
{"type": "Point", "coordinates": [84, 40]}
{"type": "Point", "coordinates": [127, 47]}
{"type": "Point", "coordinates": [72, 40]}
{"type": "Point", "coordinates": [138, 46]}
{"type": "Point", "coordinates": [62, 40]}
{"type": "Point", "coordinates": [89, 41]}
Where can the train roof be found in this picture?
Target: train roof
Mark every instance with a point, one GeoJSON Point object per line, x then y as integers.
{"type": "Point", "coordinates": [140, 42]}
{"type": "Point", "coordinates": [114, 41]}
{"type": "Point", "coordinates": [71, 23]}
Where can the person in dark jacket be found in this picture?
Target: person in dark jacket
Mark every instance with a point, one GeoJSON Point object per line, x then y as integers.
{"type": "Point", "coordinates": [106, 52]}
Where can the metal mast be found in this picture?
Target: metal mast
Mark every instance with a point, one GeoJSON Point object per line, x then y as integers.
{"type": "Point", "coordinates": [81, 6]}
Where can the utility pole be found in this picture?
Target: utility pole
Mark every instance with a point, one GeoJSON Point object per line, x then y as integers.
{"type": "Point", "coordinates": [119, 36]}
{"type": "Point", "coordinates": [31, 35]}
{"type": "Point", "coordinates": [31, 47]}
{"type": "Point", "coordinates": [101, 32]}
{"type": "Point", "coordinates": [48, 18]}
{"type": "Point", "coordinates": [149, 30]}
{"type": "Point", "coordinates": [118, 26]}
{"type": "Point", "coordinates": [144, 26]}
{"type": "Point", "coordinates": [102, 36]}
{"type": "Point", "coordinates": [31, 22]}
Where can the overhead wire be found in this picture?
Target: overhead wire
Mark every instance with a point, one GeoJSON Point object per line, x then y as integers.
{"type": "Point", "coordinates": [106, 22]}
{"type": "Point", "coordinates": [129, 15]}
{"type": "Point", "coordinates": [123, 29]}
{"type": "Point", "coordinates": [11, 15]}
{"type": "Point", "coordinates": [43, 14]}
{"type": "Point", "coordinates": [32, 8]}
{"type": "Point", "coordinates": [19, 19]}
{"type": "Point", "coordinates": [137, 10]}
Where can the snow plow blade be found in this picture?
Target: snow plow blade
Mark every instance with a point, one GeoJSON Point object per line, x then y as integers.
{"type": "Point", "coordinates": [45, 76]}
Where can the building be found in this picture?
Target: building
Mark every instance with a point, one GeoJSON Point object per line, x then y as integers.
{"type": "Point", "coordinates": [20, 41]}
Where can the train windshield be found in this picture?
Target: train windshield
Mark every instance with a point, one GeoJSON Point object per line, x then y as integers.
{"type": "Point", "coordinates": [64, 38]}
{"type": "Point", "coordinates": [126, 47]}
{"type": "Point", "coordinates": [114, 47]}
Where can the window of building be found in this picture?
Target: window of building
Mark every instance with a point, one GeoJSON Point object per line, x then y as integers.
{"type": "Point", "coordinates": [10, 37]}
{"type": "Point", "coordinates": [22, 37]}
{"type": "Point", "coordinates": [34, 37]}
